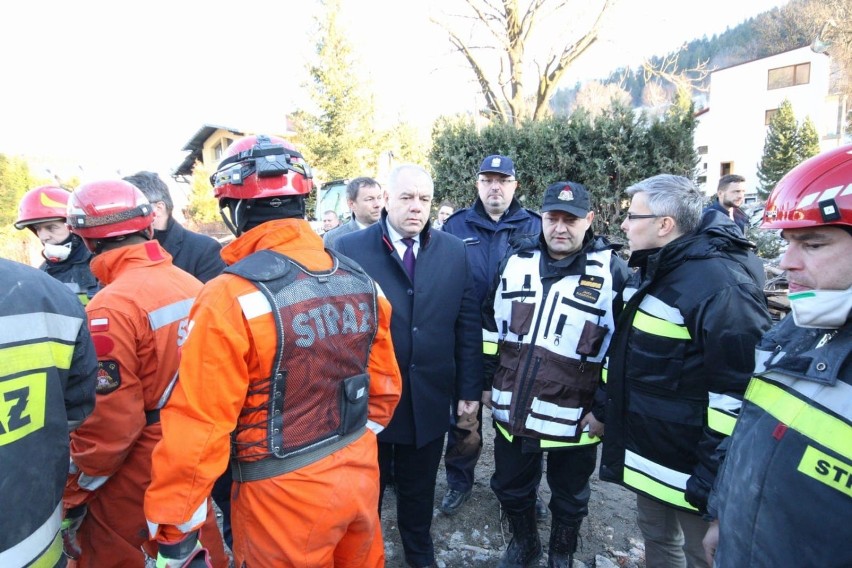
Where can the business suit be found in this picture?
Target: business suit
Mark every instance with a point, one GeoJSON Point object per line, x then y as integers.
{"type": "Point", "coordinates": [331, 237]}
{"type": "Point", "coordinates": [438, 346]}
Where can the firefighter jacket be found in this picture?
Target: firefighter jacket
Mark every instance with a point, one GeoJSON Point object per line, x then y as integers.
{"type": "Point", "coordinates": [555, 319]}
{"type": "Point", "coordinates": [74, 271]}
{"type": "Point", "coordinates": [680, 360]}
{"type": "Point", "coordinates": [784, 491]}
{"type": "Point", "coordinates": [236, 345]}
{"type": "Point", "coordinates": [47, 388]}
{"type": "Point", "coordinates": [138, 322]}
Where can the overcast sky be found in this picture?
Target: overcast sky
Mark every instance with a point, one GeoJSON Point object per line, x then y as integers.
{"type": "Point", "coordinates": [118, 86]}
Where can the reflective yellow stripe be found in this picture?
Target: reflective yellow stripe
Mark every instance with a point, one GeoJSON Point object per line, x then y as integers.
{"type": "Point", "coordinates": [651, 486]}
{"type": "Point", "coordinates": [720, 422]}
{"type": "Point", "coordinates": [51, 555]}
{"type": "Point", "coordinates": [585, 440]}
{"type": "Point", "coordinates": [604, 373]}
{"type": "Point", "coordinates": [797, 414]}
{"type": "Point", "coordinates": [825, 468]}
{"type": "Point", "coordinates": [83, 297]}
{"type": "Point", "coordinates": [36, 356]}
{"type": "Point", "coordinates": [503, 431]}
{"type": "Point", "coordinates": [489, 348]}
{"type": "Point", "coordinates": [657, 326]}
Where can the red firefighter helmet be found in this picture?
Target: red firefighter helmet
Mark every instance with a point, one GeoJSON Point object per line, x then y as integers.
{"type": "Point", "coordinates": [257, 167]}
{"type": "Point", "coordinates": [45, 203]}
{"type": "Point", "coordinates": [104, 209]}
{"type": "Point", "coordinates": [816, 192]}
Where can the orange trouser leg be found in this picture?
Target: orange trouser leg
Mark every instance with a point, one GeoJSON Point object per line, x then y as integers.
{"type": "Point", "coordinates": [325, 514]}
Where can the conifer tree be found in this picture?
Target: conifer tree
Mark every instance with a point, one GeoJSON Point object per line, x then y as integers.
{"type": "Point", "coordinates": [808, 140]}
{"type": "Point", "coordinates": [781, 151]}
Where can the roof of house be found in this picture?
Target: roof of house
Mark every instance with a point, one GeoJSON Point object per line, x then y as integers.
{"type": "Point", "coordinates": [196, 145]}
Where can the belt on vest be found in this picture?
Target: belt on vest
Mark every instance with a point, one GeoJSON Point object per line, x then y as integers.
{"type": "Point", "coordinates": [273, 466]}
{"type": "Point", "coordinates": [152, 416]}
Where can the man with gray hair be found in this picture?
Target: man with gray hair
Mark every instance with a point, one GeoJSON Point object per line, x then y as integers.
{"type": "Point", "coordinates": [192, 252]}
{"type": "Point", "coordinates": [680, 361]}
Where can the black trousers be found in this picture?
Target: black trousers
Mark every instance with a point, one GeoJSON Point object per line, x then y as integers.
{"type": "Point", "coordinates": [414, 472]}
{"type": "Point", "coordinates": [517, 474]}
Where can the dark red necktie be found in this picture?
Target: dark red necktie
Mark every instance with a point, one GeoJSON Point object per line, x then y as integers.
{"type": "Point", "coordinates": [408, 257]}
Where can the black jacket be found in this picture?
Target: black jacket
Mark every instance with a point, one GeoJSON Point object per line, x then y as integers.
{"type": "Point", "coordinates": [740, 218]}
{"type": "Point", "coordinates": [436, 327]}
{"type": "Point", "coordinates": [783, 493]}
{"type": "Point", "coordinates": [192, 252]}
{"type": "Point", "coordinates": [74, 271]}
{"type": "Point", "coordinates": [48, 372]}
{"type": "Point", "coordinates": [680, 361]}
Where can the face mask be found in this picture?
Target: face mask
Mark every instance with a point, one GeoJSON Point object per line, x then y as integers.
{"type": "Point", "coordinates": [57, 253]}
{"type": "Point", "coordinates": [822, 309]}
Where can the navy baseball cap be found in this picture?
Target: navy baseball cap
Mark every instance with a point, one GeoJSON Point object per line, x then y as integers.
{"type": "Point", "coordinates": [498, 165]}
{"type": "Point", "coordinates": [567, 196]}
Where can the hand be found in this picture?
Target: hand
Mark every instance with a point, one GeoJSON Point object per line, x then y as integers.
{"type": "Point", "coordinates": [467, 407]}
{"type": "Point", "coordinates": [486, 398]}
{"type": "Point", "coordinates": [711, 541]}
{"type": "Point", "coordinates": [186, 553]}
{"type": "Point", "coordinates": [70, 525]}
{"type": "Point", "coordinates": [596, 427]}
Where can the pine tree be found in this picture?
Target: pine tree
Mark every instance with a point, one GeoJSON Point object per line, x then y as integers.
{"type": "Point", "coordinates": [781, 151]}
{"type": "Point", "coordinates": [337, 139]}
{"type": "Point", "coordinates": [808, 140]}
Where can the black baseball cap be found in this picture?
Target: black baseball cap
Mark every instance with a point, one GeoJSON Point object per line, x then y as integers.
{"type": "Point", "coordinates": [567, 196]}
{"type": "Point", "coordinates": [498, 165]}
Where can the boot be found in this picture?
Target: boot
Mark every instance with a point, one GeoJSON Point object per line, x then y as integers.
{"type": "Point", "coordinates": [525, 547]}
{"type": "Point", "coordinates": [563, 543]}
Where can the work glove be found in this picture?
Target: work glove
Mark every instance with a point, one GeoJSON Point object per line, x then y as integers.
{"type": "Point", "coordinates": [70, 525]}
{"type": "Point", "coordinates": [186, 553]}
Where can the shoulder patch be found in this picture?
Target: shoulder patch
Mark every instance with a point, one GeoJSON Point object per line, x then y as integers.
{"type": "Point", "coordinates": [109, 377]}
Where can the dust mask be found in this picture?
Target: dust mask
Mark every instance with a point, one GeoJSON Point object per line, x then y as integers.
{"type": "Point", "coordinates": [57, 253]}
{"type": "Point", "coordinates": [821, 309]}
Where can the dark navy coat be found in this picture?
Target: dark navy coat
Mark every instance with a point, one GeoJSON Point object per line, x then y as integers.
{"type": "Point", "coordinates": [436, 327]}
{"type": "Point", "coordinates": [192, 252]}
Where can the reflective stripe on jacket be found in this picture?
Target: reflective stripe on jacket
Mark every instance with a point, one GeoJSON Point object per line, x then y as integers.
{"type": "Point", "coordinates": [47, 389]}
{"type": "Point", "coordinates": [553, 343]}
{"type": "Point", "coordinates": [785, 487]}
{"type": "Point", "coordinates": [680, 360]}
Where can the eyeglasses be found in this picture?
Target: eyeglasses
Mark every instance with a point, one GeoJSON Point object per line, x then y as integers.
{"type": "Point", "coordinates": [634, 216]}
{"type": "Point", "coordinates": [493, 181]}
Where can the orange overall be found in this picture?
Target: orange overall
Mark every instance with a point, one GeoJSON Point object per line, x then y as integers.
{"type": "Point", "coordinates": [137, 323]}
{"type": "Point", "coordinates": [322, 514]}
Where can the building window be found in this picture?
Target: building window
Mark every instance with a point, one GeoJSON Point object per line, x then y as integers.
{"type": "Point", "coordinates": [221, 146]}
{"type": "Point", "coordinates": [702, 180]}
{"type": "Point", "coordinates": [768, 116]}
{"type": "Point", "coordinates": [726, 168]}
{"type": "Point", "coordinates": [702, 150]}
{"type": "Point", "coordinates": [789, 76]}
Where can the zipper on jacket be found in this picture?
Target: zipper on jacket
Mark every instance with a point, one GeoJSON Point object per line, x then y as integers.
{"type": "Point", "coordinates": [523, 388]}
{"type": "Point", "coordinates": [550, 315]}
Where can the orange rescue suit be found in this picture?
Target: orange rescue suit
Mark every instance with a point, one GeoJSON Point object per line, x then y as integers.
{"type": "Point", "coordinates": [323, 514]}
{"type": "Point", "coordinates": [137, 323]}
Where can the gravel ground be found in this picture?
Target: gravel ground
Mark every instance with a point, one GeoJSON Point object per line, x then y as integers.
{"type": "Point", "coordinates": [475, 537]}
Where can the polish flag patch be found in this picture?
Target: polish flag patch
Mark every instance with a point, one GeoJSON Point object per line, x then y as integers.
{"type": "Point", "coordinates": [99, 324]}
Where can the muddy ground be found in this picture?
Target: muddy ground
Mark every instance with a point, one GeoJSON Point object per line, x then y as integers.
{"type": "Point", "coordinates": [474, 536]}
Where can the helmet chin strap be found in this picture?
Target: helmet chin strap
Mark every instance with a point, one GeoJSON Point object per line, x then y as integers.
{"type": "Point", "coordinates": [233, 214]}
